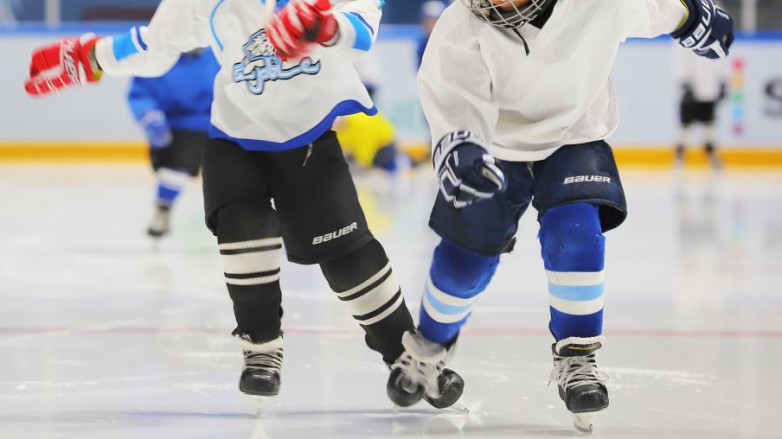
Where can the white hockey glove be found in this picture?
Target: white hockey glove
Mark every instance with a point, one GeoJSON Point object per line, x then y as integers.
{"type": "Point", "coordinates": [708, 30]}
{"type": "Point", "coordinates": [466, 172]}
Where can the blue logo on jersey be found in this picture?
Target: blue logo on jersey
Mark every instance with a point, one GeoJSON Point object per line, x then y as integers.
{"type": "Point", "coordinates": [261, 64]}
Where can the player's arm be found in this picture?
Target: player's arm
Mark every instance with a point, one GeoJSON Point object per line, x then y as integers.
{"type": "Point", "coordinates": [456, 95]}
{"type": "Point", "coordinates": [699, 25]}
{"type": "Point", "coordinates": [144, 51]}
{"type": "Point", "coordinates": [358, 22]}
{"type": "Point", "coordinates": [349, 27]}
{"type": "Point", "coordinates": [707, 30]}
{"type": "Point", "coordinates": [146, 110]}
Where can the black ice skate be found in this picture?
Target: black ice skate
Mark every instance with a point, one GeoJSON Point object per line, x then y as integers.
{"type": "Point", "coordinates": [420, 373]}
{"type": "Point", "coordinates": [262, 366]}
{"type": "Point", "coordinates": [581, 385]}
{"type": "Point", "coordinates": [159, 226]}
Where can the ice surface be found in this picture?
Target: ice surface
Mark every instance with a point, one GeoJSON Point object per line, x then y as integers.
{"type": "Point", "coordinates": [103, 337]}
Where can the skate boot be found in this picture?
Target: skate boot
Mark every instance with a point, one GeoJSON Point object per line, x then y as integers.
{"type": "Point", "coordinates": [714, 160]}
{"type": "Point", "coordinates": [158, 227]}
{"type": "Point", "coordinates": [420, 373]}
{"type": "Point", "coordinates": [581, 385]}
{"type": "Point", "coordinates": [262, 364]}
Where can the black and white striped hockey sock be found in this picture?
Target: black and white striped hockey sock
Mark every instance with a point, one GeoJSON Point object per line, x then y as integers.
{"type": "Point", "coordinates": [252, 274]}
{"type": "Point", "coordinates": [365, 282]}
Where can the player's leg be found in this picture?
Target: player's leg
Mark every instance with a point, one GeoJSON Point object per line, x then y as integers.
{"type": "Point", "coordinates": [707, 117]}
{"type": "Point", "coordinates": [322, 222]}
{"type": "Point", "coordinates": [238, 212]}
{"type": "Point", "coordinates": [578, 196]}
{"type": "Point", "coordinates": [174, 166]}
{"type": "Point", "coordinates": [462, 266]}
{"type": "Point", "coordinates": [686, 117]}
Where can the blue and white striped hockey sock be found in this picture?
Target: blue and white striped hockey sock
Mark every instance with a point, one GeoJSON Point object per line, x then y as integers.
{"type": "Point", "coordinates": [573, 250]}
{"type": "Point", "coordinates": [169, 185]}
{"type": "Point", "coordinates": [456, 279]}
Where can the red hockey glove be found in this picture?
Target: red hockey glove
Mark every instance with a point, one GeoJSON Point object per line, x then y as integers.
{"type": "Point", "coordinates": [299, 25]}
{"type": "Point", "coordinates": [66, 63]}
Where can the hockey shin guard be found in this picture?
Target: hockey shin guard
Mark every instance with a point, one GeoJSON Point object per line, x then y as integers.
{"type": "Point", "coordinates": [573, 250]}
{"type": "Point", "coordinates": [251, 250]}
{"type": "Point", "coordinates": [365, 282]}
{"type": "Point", "coordinates": [456, 279]}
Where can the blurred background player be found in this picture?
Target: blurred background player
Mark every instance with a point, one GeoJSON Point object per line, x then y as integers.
{"type": "Point", "coordinates": [369, 141]}
{"type": "Point", "coordinates": [174, 111]}
{"type": "Point", "coordinates": [703, 86]}
{"type": "Point", "coordinates": [7, 11]}
{"type": "Point", "coordinates": [431, 10]}
{"type": "Point", "coordinates": [503, 69]}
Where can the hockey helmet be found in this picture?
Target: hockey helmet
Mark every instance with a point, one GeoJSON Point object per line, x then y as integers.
{"type": "Point", "coordinates": [506, 13]}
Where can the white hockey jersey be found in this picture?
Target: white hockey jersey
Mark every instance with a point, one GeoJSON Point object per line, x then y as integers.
{"type": "Point", "coordinates": [479, 77]}
{"type": "Point", "coordinates": [260, 102]}
{"type": "Point", "coordinates": [706, 77]}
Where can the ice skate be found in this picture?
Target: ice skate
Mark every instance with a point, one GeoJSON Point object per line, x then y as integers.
{"type": "Point", "coordinates": [714, 161]}
{"type": "Point", "coordinates": [420, 373]}
{"type": "Point", "coordinates": [159, 226]}
{"type": "Point", "coordinates": [262, 367]}
{"type": "Point", "coordinates": [582, 387]}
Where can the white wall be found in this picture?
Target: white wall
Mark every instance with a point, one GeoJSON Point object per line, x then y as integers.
{"type": "Point", "coordinates": [643, 75]}
{"type": "Point", "coordinates": [96, 113]}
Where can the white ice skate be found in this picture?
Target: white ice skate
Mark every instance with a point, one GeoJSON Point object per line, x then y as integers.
{"type": "Point", "coordinates": [159, 225]}
{"type": "Point", "coordinates": [582, 387]}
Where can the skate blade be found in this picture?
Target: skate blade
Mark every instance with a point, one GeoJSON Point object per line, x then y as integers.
{"type": "Point", "coordinates": [460, 407]}
{"type": "Point", "coordinates": [583, 422]}
{"type": "Point", "coordinates": [260, 402]}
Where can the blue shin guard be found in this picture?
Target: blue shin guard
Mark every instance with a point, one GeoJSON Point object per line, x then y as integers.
{"type": "Point", "coordinates": [456, 279]}
{"type": "Point", "coordinates": [573, 250]}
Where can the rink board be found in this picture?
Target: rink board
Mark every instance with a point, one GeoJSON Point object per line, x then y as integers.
{"type": "Point", "coordinates": [100, 123]}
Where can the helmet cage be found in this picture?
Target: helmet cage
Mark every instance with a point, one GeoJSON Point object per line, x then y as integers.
{"type": "Point", "coordinates": [506, 13]}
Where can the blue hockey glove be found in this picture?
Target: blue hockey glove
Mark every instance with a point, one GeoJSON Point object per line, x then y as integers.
{"type": "Point", "coordinates": [466, 172]}
{"type": "Point", "coordinates": [708, 30]}
{"type": "Point", "coordinates": [158, 131]}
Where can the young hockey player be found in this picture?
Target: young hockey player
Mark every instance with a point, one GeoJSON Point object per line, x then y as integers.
{"type": "Point", "coordinates": [281, 85]}
{"type": "Point", "coordinates": [703, 86]}
{"type": "Point", "coordinates": [174, 111]}
{"type": "Point", "coordinates": [518, 94]}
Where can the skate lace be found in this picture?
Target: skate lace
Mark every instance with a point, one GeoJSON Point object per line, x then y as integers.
{"type": "Point", "coordinates": [420, 372]}
{"type": "Point", "coordinates": [570, 372]}
{"type": "Point", "coordinates": [267, 361]}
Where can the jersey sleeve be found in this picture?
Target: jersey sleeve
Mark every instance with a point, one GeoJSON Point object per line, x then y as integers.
{"type": "Point", "coordinates": [455, 86]}
{"type": "Point", "coordinates": [358, 22]}
{"type": "Point", "coordinates": [152, 50]}
{"type": "Point", "coordinates": [651, 18]}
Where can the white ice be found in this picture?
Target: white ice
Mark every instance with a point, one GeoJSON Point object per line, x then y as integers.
{"type": "Point", "coordinates": [103, 337]}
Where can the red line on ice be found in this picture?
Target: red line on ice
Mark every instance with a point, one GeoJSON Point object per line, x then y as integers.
{"type": "Point", "coordinates": [622, 332]}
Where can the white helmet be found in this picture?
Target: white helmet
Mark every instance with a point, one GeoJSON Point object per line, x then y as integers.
{"type": "Point", "coordinates": [506, 13]}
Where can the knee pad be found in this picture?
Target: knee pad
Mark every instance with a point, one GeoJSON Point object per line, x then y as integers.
{"type": "Point", "coordinates": [460, 272]}
{"type": "Point", "coordinates": [244, 220]}
{"type": "Point", "coordinates": [571, 238]}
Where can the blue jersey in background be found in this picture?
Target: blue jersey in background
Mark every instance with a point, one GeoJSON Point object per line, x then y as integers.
{"type": "Point", "coordinates": [184, 94]}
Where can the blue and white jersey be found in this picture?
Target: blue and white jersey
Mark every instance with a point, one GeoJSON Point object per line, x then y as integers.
{"type": "Point", "coordinates": [260, 101]}
{"type": "Point", "coordinates": [184, 94]}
